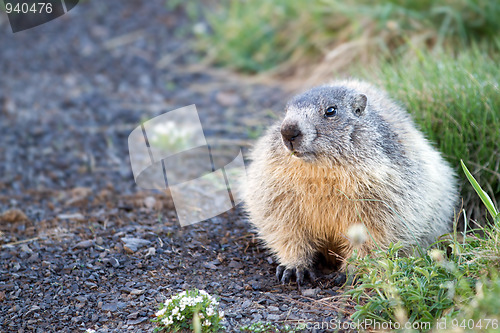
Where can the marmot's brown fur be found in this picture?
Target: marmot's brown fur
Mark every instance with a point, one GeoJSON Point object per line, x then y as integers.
{"type": "Point", "coordinates": [344, 154]}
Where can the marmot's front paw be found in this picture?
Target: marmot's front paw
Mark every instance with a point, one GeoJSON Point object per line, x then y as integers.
{"type": "Point", "coordinates": [285, 274]}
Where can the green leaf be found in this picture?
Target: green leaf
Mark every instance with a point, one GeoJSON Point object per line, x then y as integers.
{"type": "Point", "coordinates": [482, 194]}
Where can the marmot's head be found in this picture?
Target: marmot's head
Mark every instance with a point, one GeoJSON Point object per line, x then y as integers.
{"type": "Point", "coordinates": [326, 122]}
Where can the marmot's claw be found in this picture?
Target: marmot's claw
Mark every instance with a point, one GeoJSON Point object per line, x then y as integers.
{"type": "Point", "coordinates": [299, 274]}
{"type": "Point", "coordinates": [287, 275]}
{"type": "Point", "coordinates": [279, 272]}
{"type": "Point", "coordinates": [284, 274]}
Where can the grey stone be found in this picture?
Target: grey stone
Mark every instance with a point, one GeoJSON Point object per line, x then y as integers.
{"type": "Point", "coordinates": [84, 244]}
{"type": "Point", "coordinates": [131, 244]}
{"type": "Point", "coordinates": [273, 317]}
{"type": "Point", "coordinates": [110, 306]}
{"type": "Point", "coordinates": [309, 292]}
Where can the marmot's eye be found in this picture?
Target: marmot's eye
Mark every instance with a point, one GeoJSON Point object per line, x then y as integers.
{"type": "Point", "coordinates": [330, 111]}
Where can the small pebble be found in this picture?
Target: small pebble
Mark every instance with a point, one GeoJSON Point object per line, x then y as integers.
{"type": "Point", "coordinates": [309, 292]}
{"type": "Point", "coordinates": [151, 252]}
{"type": "Point", "coordinates": [235, 264]}
{"type": "Point", "coordinates": [273, 317]}
{"type": "Point", "coordinates": [136, 292]}
{"type": "Point", "coordinates": [33, 258]}
{"type": "Point", "coordinates": [131, 244]}
{"type": "Point", "coordinates": [209, 265]}
{"type": "Point", "coordinates": [133, 315]}
{"type": "Point", "coordinates": [110, 306]}
{"type": "Point", "coordinates": [84, 244]}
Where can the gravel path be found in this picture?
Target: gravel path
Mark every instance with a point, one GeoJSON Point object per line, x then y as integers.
{"type": "Point", "coordinates": [81, 245]}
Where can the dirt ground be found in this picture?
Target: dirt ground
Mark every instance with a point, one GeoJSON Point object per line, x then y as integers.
{"type": "Point", "coordinates": [81, 245]}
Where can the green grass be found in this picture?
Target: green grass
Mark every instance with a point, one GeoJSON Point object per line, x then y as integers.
{"type": "Point", "coordinates": [400, 289]}
{"type": "Point", "coordinates": [485, 198]}
{"type": "Point", "coordinates": [258, 35]}
{"type": "Point", "coordinates": [442, 291]}
{"type": "Point", "coordinates": [425, 290]}
{"type": "Point", "coordinates": [456, 102]}
{"type": "Point", "coordinates": [254, 36]}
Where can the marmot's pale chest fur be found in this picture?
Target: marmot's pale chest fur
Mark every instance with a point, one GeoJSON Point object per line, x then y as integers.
{"type": "Point", "coordinates": [344, 154]}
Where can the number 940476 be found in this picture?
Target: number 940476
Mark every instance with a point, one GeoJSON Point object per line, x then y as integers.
{"type": "Point", "coordinates": [25, 8]}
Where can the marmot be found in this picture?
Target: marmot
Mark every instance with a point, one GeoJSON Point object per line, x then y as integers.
{"type": "Point", "coordinates": [345, 153]}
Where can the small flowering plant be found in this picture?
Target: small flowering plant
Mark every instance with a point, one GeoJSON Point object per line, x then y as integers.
{"type": "Point", "coordinates": [193, 310]}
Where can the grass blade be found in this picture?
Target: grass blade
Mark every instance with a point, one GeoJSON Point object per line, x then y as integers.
{"type": "Point", "coordinates": [482, 194]}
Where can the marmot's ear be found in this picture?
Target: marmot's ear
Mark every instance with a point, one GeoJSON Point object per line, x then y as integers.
{"type": "Point", "coordinates": [359, 104]}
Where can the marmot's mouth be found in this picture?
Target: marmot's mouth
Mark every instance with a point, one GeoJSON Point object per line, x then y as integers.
{"type": "Point", "coordinates": [304, 156]}
{"type": "Point", "coordinates": [291, 149]}
{"type": "Point", "coordinates": [289, 146]}
{"type": "Point", "coordinates": [301, 154]}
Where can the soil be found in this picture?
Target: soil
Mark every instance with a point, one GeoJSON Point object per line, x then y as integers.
{"type": "Point", "coordinates": [81, 245]}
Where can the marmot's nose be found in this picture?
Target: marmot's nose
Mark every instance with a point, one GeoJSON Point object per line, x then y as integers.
{"type": "Point", "coordinates": [290, 132]}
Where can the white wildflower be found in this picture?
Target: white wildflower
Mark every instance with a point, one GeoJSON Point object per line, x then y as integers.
{"type": "Point", "coordinates": [175, 311]}
{"type": "Point", "coordinates": [437, 255]}
{"type": "Point", "coordinates": [185, 304]}
{"type": "Point", "coordinates": [210, 311]}
{"type": "Point", "coordinates": [167, 321]}
{"type": "Point", "coordinates": [190, 301]}
{"type": "Point", "coordinates": [357, 234]}
{"type": "Point", "coordinates": [161, 312]}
